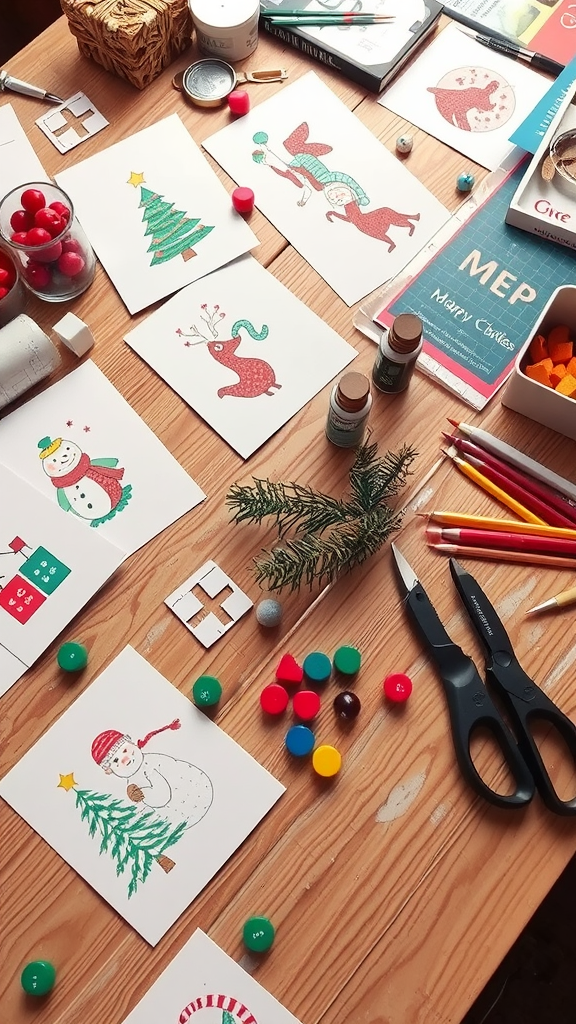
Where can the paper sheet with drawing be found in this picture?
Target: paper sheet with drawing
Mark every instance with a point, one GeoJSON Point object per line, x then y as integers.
{"type": "Point", "coordinates": [18, 161]}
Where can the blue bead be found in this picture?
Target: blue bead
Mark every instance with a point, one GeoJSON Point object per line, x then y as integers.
{"type": "Point", "coordinates": [300, 740]}
{"type": "Point", "coordinates": [465, 182]}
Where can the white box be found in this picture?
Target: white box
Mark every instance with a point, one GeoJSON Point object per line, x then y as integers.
{"type": "Point", "coordinates": [548, 208]}
{"type": "Point", "coordinates": [535, 400]}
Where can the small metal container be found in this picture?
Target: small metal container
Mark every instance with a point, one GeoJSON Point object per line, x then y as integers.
{"type": "Point", "coordinates": [207, 83]}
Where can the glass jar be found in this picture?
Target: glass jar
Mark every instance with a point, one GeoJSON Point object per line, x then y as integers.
{"type": "Point", "coordinates": [38, 226]}
{"type": "Point", "coordinates": [12, 291]}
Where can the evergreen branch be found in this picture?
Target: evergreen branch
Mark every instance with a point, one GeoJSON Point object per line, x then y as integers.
{"type": "Point", "coordinates": [291, 505]}
{"type": "Point", "coordinates": [373, 479]}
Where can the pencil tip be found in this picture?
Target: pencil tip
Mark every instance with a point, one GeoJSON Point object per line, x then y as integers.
{"type": "Point", "coordinates": [453, 422]}
{"type": "Point", "coordinates": [540, 607]}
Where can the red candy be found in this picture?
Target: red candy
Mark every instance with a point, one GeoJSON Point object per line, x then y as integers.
{"type": "Point", "coordinates": [239, 102]}
{"type": "Point", "coordinates": [274, 699]}
{"type": "Point", "coordinates": [38, 274]}
{"type": "Point", "coordinates": [50, 220]}
{"type": "Point", "coordinates": [21, 220]}
{"type": "Point", "coordinates": [397, 687]}
{"type": "Point", "coordinates": [243, 200]}
{"type": "Point", "coordinates": [32, 199]}
{"type": "Point", "coordinates": [71, 264]}
{"type": "Point", "coordinates": [60, 209]}
{"type": "Point", "coordinates": [289, 671]}
{"type": "Point", "coordinates": [20, 237]}
{"type": "Point", "coordinates": [38, 236]}
{"type": "Point", "coordinates": [306, 704]}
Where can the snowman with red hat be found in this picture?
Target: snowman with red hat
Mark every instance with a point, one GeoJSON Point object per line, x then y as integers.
{"type": "Point", "coordinates": [177, 790]}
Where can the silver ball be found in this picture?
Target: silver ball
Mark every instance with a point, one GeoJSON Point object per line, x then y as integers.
{"type": "Point", "coordinates": [404, 144]}
{"type": "Point", "coordinates": [269, 612]}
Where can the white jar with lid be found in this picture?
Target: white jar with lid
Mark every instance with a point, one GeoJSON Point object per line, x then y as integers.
{"type": "Point", "coordinates": [226, 28]}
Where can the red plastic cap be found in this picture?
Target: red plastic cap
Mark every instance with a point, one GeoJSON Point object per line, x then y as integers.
{"type": "Point", "coordinates": [274, 699]}
{"type": "Point", "coordinates": [397, 687]}
{"type": "Point", "coordinates": [306, 704]}
{"type": "Point", "coordinates": [239, 102]}
{"type": "Point", "coordinates": [243, 200]}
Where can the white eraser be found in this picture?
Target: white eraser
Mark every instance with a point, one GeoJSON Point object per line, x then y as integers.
{"type": "Point", "coordinates": [74, 333]}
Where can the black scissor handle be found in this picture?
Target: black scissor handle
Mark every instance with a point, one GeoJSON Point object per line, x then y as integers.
{"type": "Point", "coordinates": [528, 704]}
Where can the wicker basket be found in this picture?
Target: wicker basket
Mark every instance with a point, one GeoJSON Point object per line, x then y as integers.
{"type": "Point", "coordinates": [135, 39]}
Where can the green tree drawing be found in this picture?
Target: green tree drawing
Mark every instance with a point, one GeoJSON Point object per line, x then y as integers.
{"type": "Point", "coordinates": [173, 232]}
{"type": "Point", "coordinates": [134, 839]}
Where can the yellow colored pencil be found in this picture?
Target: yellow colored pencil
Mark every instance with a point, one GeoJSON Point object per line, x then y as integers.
{"type": "Point", "coordinates": [478, 478]}
{"type": "Point", "coordinates": [566, 597]}
{"type": "Point", "coordinates": [491, 523]}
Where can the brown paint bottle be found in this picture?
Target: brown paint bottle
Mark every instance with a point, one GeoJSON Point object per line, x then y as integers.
{"type": "Point", "coordinates": [398, 350]}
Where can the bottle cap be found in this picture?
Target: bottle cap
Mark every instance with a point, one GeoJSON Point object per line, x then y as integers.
{"type": "Point", "coordinates": [405, 333]}
{"type": "Point", "coordinates": [353, 391]}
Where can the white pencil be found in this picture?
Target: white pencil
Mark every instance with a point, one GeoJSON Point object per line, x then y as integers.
{"type": "Point", "coordinates": [517, 458]}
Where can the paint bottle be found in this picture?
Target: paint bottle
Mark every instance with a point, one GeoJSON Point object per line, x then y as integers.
{"type": "Point", "coordinates": [350, 404]}
{"type": "Point", "coordinates": [227, 29]}
{"type": "Point", "coordinates": [398, 349]}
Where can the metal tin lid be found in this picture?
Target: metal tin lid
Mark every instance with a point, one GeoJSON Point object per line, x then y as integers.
{"type": "Point", "coordinates": [207, 82]}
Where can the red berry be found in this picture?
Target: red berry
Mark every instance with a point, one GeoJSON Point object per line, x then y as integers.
{"type": "Point", "coordinates": [38, 236]}
{"type": "Point", "coordinates": [21, 220]}
{"type": "Point", "coordinates": [20, 237]}
{"type": "Point", "coordinates": [71, 264]}
{"type": "Point", "coordinates": [50, 220]}
{"type": "Point", "coordinates": [3, 292]}
{"type": "Point", "coordinates": [72, 245]}
{"type": "Point", "coordinates": [32, 199]}
{"type": "Point", "coordinates": [49, 254]}
{"type": "Point", "coordinates": [38, 274]}
{"type": "Point", "coordinates": [61, 209]}
{"type": "Point", "coordinates": [7, 278]}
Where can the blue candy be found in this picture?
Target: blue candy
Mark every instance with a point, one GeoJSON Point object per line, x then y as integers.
{"type": "Point", "coordinates": [300, 740]}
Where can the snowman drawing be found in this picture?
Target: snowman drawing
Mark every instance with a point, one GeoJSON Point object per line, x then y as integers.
{"type": "Point", "coordinates": [90, 488]}
{"type": "Point", "coordinates": [178, 790]}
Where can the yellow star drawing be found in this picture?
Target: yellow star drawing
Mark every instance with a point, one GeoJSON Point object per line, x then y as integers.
{"type": "Point", "coordinates": [67, 782]}
{"type": "Point", "coordinates": [135, 179]}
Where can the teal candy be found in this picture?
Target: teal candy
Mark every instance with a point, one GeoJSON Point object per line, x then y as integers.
{"type": "Point", "coordinates": [38, 977]}
{"type": "Point", "coordinates": [317, 667]}
{"type": "Point", "coordinates": [465, 182]}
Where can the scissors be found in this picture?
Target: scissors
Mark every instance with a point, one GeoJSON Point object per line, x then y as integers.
{"type": "Point", "coordinates": [469, 701]}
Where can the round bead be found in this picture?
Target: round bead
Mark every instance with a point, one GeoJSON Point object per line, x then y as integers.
{"type": "Point", "coordinates": [269, 612]}
{"type": "Point", "coordinates": [397, 687]}
{"type": "Point", "coordinates": [274, 699]}
{"type": "Point", "coordinates": [347, 660]}
{"type": "Point", "coordinates": [317, 667]}
{"type": "Point", "coordinates": [465, 182]}
{"type": "Point", "coordinates": [289, 671]}
{"type": "Point", "coordinates": [326, 761]}
{"type": "Point", "coordinates": [258, 934]}
{"type": "Point", "coordinates": [72, 657]}
{"type": "Point", "coordinates": [300, 740]}
{"type": "Point", "coordinates": [206, 691]}
{"type": "Point", "coordinates": [404, 144]}
{"type": "Point", "coordinates": [243, 200]}
{"type": "Point", "coordinates": [239, 102]}
{"type": "Point", "coordinates": [38, 977]}
{"type": "Point", "coordinates": [347, 705]}
{"type": "Point", "coordinates": [306, 704]}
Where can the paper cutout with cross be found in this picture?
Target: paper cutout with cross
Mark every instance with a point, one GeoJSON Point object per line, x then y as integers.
{"type": "Point", "coordinates": [72, 123]}
{"type": "Point", "coordinates": [200, 605]}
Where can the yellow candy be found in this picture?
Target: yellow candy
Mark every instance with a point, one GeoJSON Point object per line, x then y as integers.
{"type": "Point", "coordinates": [326, 761]}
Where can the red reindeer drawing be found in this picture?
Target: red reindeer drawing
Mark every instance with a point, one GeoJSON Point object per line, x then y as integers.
{"type": "Point", "coordinates": [255, 376]}
{"type": "Point", "coordinates": [455, 104]}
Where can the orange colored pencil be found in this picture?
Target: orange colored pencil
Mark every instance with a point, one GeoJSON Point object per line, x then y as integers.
{"type": "Point", "coordinates": [495, 555]}
{"type": "Point", "coordinates": [493, 523]}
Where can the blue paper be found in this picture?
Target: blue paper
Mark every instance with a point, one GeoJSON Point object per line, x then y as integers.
{"type": "Point", "coordinates": [530, 133]}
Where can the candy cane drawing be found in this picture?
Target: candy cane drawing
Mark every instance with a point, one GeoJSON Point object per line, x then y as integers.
{"type": "Point", "coordinates": [232, 1009]}
{"type": "Point", "coordinates": [255, 376]}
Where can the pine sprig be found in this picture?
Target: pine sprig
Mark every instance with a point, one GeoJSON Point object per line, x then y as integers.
{"type": "Point", "coordinates": [329, 536]}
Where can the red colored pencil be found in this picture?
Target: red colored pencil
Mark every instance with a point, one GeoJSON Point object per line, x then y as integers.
{"type": "Point", "coordinates": [526, 498]}
{"type": "Point", "coordinates": [504, 540]}
{"type": "Point", "coordinates": [565, 509]}
{"type": "Point", "coordinates": [495, 555]}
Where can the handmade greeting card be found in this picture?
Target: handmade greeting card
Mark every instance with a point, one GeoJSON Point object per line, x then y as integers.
{"type": "Point", "coordinates": [156, 214]}
{"type": "Point", "coordinates": [204, 985]}
{"type": "Point", "coordinates": [242, 350]}
{"type": "Point", "coordinates": [333, 190]}
{"type": "Point", "coordinates": [140, 793]}
{"type": "Point", "coordinates": [84, 447]}
{"type": "Point", "coordinates": [466, 95]}
{"type": "Point", "coordinates": [49, 569]}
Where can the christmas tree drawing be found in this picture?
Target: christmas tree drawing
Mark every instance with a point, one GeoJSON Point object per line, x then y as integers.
{"type": "Point", "coordinates": [134, 839]}
{"type": "Point", "coordinates": [173, 232]}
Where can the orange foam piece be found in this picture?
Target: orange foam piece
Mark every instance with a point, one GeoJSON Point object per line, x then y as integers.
{"type": "Point", "coordinates": [560, 351]}
{"type": "Point", "coordinates": [560, 333]}
{"type": "Point", "coordinates": [538, 372]}
{"type": "Point", "coordinates": [538, 348]}
{"type": "Point", "coordinates": [546, 363]}
{"type": "Point", "coordinates": [558, 372]}
{"type": "Point", "coordinates": [571, 366]}
{"type": "Point", "coordinates": [567, 386]}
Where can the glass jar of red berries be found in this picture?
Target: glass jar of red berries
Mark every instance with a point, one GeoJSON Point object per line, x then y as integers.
{"type": "Point", "coordinates": [38, 225]}
{"type": "Point", "coordinates": [12, 293]}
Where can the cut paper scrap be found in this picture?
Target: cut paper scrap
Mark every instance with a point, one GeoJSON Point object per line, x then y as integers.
{"type": "Point", "coordinates": [530, 133]}
{"type": "Point", "coordinates": [83, 447]}
{"type": "Point", "coordinates": [333, 190]}
{"type": "Point", "coordinates": [18, 160]}
{"type": "Point", "coordinates": [141, 794]}
{"type": "Point", "coordinates": [204, 587]}
{"type": "Point", "coordinates": [75, 121]}
{"type": "Point", "coordinates": [203, 985]}
{"type": "Point", "coordinates": [156, 223]}
{"type": "Point", "coordinates": [466, 95]}
{"type": "Point", "coordinates": [242, 350]}
{"type": "Point", "coordinates": [49, 569]}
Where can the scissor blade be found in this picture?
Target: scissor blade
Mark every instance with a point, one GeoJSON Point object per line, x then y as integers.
{"type": "Point", "coordinates": [482, 615]}
{"type": "Point", "coordinates": [409, 577]}
{"type": "Point", "coordinates": [421, 607]}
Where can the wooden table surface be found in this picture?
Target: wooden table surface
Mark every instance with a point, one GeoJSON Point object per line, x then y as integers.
{"type": "Point", "coordinates": [395, 891]}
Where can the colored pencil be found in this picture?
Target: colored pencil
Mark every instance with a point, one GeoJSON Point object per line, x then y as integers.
{"type": "Point", "coordinates": [505, 541]}
{"type": "Point", "coordinates": [491, 488]}
{"type": "Point", "coordinates": [491, 523]}
{"type": "Point", "coordinates": [566, 597]}
{"type": "Point", "coordinates": [517, 458]}
{"type": "Point", "coordinates": [328, 18]}
{"type": "Point", "coordinates": [286, 12]}
{"type": "Point", "coordinates": [561, 511]}
{"type": "Point", "coordinates": [519, 557]}
{"type": "Point", "coordinates": [533, 504]}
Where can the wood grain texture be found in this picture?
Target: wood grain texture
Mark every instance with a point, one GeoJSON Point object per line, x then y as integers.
{"type": "Point", "coordinates": [395, 892]}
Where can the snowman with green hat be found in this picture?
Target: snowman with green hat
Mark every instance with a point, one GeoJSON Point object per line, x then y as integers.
{"type": "Point", "coordinates": [90, 488]}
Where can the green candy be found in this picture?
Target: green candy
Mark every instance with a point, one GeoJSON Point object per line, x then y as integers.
{"type": "Point", "coordinates": [206, 691]}
{"type": "Point", "coordinates": [38, 977]}
{"type": "Point", "coordinates": [258, 934]}
{"type": "Point", "coordinates": [72, 657]}
{"type": "Point", "coordinates": [347, 660]}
